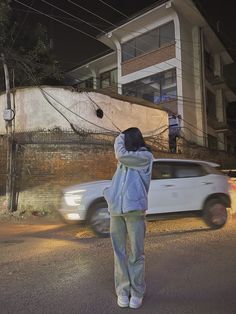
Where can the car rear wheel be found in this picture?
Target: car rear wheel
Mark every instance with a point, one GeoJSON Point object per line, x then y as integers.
{"type": "Point", "coordinates": [215, 213]}
{"type": "Point", "coordinates": [99, 219]}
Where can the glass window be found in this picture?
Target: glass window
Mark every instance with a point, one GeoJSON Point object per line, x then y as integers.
{"type": "Point", "coordinates": [212, 170]}
{"type": "Point", "coordinates": [187, 170]}
{"type": "Point", "coordinates": [114, 77]}
{"type": "Point", "coordinates": [156, 88]}
{"type": "Point", "coordinates": [169, 90]}
{"type": "Point", "coordinates": [105, 80]}
{"type": "Point", "coordinates": [128, 50]}
{"type": "Point", "coordinates": [167, 33]}
{"type": "Point", "coordinates": [108, 78]}
{"type": "Point", "coordinates": [86, 83]}
{"type": "Point", "coordinates": [162, 170]}
{"type": "Point", "coordinates": [148, 41]}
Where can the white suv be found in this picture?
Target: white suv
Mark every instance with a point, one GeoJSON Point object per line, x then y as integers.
{"type": "Point", "coordinates": [177, 185]}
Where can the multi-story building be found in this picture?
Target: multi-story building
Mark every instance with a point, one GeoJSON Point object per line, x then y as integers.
{"type": "Point", "coordinates": [169, 55]}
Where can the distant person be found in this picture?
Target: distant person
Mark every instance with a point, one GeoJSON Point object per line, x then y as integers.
{"type": "Point", "coordinates": [127, 204]}
{"type": "Point", "coordinates": [174, 131]}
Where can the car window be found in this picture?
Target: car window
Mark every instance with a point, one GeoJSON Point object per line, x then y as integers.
{"type": "Point", "coordinates": [162, 170]}
{"type": "Point", "coordinates": [174, 170]}
{"type": "Point", "coordinates": [213, 170]}
{"type": "Point", "coordinates": [188, 170]}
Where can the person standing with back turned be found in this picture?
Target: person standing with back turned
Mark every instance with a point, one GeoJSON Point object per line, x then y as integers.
{"type": "Point", "coordinates": [127, 203]}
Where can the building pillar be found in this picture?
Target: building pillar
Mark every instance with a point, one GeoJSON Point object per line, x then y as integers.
{"type": "Point", "coordinates": [119, 61]}
{"type": "Point", "coordinates": [199, 87]}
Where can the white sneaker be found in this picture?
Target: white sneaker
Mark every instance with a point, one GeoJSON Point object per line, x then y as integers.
{"type": "Point", "coordinates": [123, 301]}
{"type": "Point", "coordinates": [135, 302]}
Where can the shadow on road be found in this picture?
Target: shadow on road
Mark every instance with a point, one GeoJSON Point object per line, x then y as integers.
{"type": "Point", "coordinates": [83, 233]}
{"type": "Point", "coordinates": [176, 232]}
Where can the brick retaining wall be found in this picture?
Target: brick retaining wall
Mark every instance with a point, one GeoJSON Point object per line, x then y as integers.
{"type": "Point", "coordinates": [42, 171]}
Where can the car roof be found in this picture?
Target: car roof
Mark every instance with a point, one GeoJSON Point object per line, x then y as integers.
{"type": "Point", "coordinates": [188, 160]}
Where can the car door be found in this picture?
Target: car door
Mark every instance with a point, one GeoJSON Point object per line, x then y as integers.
{"type": "Point", "coordinates": [192, 185]}
{"type": "Point", "coordinates": [162, 195]}
{"type": "Point", "coordinates": [176, 186]}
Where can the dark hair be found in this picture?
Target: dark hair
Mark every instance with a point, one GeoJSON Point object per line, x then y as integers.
{"type": "Point", "coordinates": [133, 139]}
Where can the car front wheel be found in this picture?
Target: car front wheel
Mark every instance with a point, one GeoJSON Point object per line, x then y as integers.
{"type": "Point", "coordinates": [215, 213]}
{"type": "Point", "coordinates": [99, 219]}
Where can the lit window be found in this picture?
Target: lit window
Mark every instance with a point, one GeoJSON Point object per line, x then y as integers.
{"type": "Point", "coordinates": [156, 88]}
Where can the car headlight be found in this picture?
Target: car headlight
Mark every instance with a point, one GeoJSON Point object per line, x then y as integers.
{"type": "Point", "coordinates": [73, 198]}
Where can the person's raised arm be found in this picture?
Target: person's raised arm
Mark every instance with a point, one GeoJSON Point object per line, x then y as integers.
{"type": "Point", "coordinates": [132, 159]}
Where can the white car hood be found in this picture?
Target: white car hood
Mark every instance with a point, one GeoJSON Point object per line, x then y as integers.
{"type": "Point", "coordinates": [88, 186]}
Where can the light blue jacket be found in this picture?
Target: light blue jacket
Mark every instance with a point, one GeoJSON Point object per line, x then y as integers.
{"type": "Point", "coordinates": [130, 183]}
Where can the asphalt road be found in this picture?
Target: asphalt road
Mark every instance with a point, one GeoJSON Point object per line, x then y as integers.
{"type": "Point", "coordinates": [65, 269]}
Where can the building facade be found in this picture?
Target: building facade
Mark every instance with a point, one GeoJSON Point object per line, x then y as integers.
{"type": "Point", "coordinates": [170, 56]}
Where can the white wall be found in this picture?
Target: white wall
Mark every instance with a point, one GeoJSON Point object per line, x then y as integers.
{"type": "Point", "coordinates": [32, 111]}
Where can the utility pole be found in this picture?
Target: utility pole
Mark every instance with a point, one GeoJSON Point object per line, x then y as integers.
{"type": "Point", "coordinates": [8, 116]}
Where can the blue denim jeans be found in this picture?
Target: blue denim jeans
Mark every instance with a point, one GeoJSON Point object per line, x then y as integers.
{"type": "Point", "coordinates": [129, 268]}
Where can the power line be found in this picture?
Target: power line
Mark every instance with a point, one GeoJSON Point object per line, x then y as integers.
{"type": "Point", "coordinates": [75, 28]}
{"type": "Point", "coordinates": [95, 28]}
{"type": "Point", "coordinates": [104, 112]}
{"type": "Point", "coordinates": [72, 15]}
{"type": "Point", "coordinates": [46, 95]}
{"type": "Point", "coordinates": [44, 92]}
{"type": "Point", "coordinates": [173, 113]}
{"type": "Point", "coordinates": [105, 33]}
{"type": "Point", "coordinates": [49, 16]}
{"type": "Point", "coordinates": [22, 24]}
{"type": "Point", "coordinates": [126, 16]}
{"type": "Point", "coordinates": [136, 32]}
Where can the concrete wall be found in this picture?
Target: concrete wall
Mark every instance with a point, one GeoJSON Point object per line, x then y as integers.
{"type": "Point", "coordinates": [33, 111]}
{"type": "Point", "coordinates": [46, 162]}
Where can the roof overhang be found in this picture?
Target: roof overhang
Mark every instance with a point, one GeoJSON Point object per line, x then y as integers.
{"type": "Point", "coordinates": [86, 70]}
{"type": "Point", "coordinates": [185, 8]}
{"type": "Point", "coordinates": [131, 28]}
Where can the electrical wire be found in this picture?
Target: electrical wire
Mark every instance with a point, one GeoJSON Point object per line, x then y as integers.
{"type": "Point", "coordinates": [63, 22]}
{"type": "Point", "coordinates": [22, 24]}
{"type": "Point", "coordinates": [49, 16]}
{"type": "Point", "coordinates": [158, 67]}
{"type": "Point", "coordinates": [101, 30]}
{"type": "Point", "coordinates": [169, 111]}
{"type": "Point", "coordinates": [90, 98]}
{"type": "Point", "coordinates": [46, 95]}
{"type": "Point", "coordinates": [96, 27]}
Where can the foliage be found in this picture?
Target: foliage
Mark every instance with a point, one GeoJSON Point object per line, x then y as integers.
{"type": "Point", "coordinates": [27, 50]}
